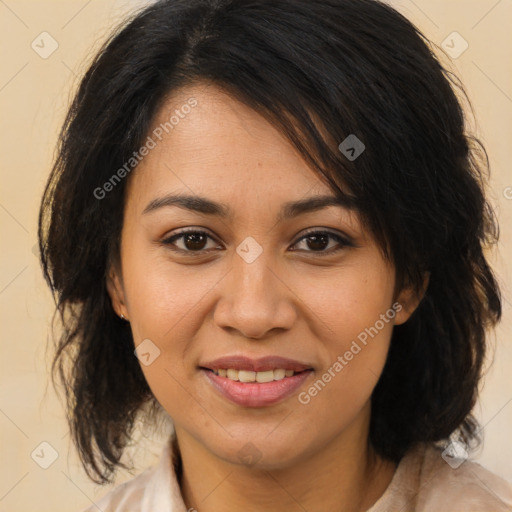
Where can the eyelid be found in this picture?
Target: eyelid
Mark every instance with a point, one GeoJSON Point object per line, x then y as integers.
{"type": "Point", "coordinates": [327, 231]}
{"type": "Point", "coordinates": [167, 240]}
{"type": "Point", "coordinates": [342, 239]}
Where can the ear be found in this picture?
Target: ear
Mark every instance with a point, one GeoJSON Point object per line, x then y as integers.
{"type": "Point", "coordinates": [116, 292]}
{"type": "Point", "coordinates": [409, 300]}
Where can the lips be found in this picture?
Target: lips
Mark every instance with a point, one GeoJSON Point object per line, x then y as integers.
{"type": "Point", "coordinates": [255, 382]}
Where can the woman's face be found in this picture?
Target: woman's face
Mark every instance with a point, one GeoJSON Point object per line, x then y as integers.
{"type": "Point", "coordinates": [262, 287]}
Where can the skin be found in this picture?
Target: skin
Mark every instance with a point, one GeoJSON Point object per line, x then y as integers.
{"type": "Point", "coordinates": [294, 300]}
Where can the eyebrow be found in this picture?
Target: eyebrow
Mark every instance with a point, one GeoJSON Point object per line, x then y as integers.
{"type": "Point", "coordinates": [290, 209]}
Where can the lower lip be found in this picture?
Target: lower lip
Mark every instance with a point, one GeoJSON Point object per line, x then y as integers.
{"type": "Point", "coordinates": [256, 394]}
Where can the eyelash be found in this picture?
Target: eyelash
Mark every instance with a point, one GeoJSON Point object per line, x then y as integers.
{"type": "Point", "coordinates": [342, 241]}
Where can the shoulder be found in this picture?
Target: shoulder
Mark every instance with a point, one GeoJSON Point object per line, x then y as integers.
{"type": "Point", "coordinates": [154, 489]}
{"type": "Point", "coordinates": [126, 496]}
{"type": "Point", "coordinates": [427, 480]}
{"type": "Point", "coordinates": [452, 485]}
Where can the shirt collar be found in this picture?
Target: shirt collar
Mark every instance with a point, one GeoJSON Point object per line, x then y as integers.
{"type": "Point", "coordinates": [163, 492]}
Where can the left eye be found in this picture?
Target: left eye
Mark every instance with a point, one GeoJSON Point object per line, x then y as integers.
{"type": "Point", "coordinates": [318, 241]}
{"type": "Point", "coordinates": [315, 241]}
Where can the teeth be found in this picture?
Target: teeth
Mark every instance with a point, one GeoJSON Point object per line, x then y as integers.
{"type": "Point", "coordinates": [279, 374]}
{"type": "Point", "coordinates": [246, 376]}
{"type": "Point", "coordinates": [265, 376]}
{"type": "Point", "coordinates": [232, 374]}
{"type": "Point", "coordinates": [250, 376]}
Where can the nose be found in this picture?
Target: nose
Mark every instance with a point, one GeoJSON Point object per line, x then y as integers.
{"type": "Point", "coordinates": [255, 300]}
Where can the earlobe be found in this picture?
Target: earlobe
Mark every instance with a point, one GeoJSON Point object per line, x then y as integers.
{"type": "Point", "coordinates": [116, 293]}
{"type": "Point", "coordinates": [409, 300]}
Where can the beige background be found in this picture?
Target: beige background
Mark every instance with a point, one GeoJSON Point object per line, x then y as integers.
{"type": "Point", "coordinates": [34, 93]}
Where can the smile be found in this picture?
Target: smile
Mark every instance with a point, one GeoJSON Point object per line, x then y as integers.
{"type": "Point", "coordinates": [255, 382]}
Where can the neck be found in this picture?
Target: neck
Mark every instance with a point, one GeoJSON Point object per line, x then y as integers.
{"type": "Point", "coordinates": [345, 475]}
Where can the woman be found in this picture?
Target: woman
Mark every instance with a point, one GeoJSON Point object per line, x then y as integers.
{"type": "Point", "coordinates": [266, 221]}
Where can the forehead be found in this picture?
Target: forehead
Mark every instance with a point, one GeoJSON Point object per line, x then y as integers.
{"type": "Point", "coordinates": [220, 129]}
{"type": "Point", "coordinates": [210, 145]}
{"type": "Point", "coordinates": [221, 143]}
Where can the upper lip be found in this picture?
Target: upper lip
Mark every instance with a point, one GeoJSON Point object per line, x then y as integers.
{"type": "Point", "coordinates": [256, 365]}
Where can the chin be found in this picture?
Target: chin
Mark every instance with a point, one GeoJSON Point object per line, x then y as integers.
{"type": "Point", "coordinates": [258, 452]}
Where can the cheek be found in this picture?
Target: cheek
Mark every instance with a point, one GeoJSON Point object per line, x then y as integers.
{"type": "Point", "coordinates": [354, 321]}
{"type": "Point", "coordinates": [348, 302]}
{"type": "Point", "coordinates": [164, 297]}
{"type": "Point", "coordinates": [163, 300]}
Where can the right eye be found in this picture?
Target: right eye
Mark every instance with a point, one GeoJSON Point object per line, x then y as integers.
{"type": "Point", "coordinates": [192, 241]}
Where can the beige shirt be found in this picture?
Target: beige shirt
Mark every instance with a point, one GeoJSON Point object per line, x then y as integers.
{"type": "Point", "coordinates": [423, 482]}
